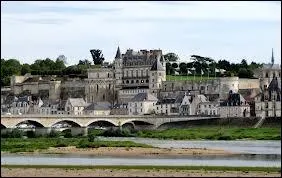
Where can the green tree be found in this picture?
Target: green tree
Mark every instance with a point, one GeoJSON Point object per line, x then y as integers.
{"type": "Point", "coordinates": [245, 73]}
{"type": "Point", "coordinates": [183, 68]}
{"type": "Point", "coordinates": [25, 69]}
{"type": "Point", "coordinates": [97, 56]}
{"type": "Point", "coordinates": [171, 57]}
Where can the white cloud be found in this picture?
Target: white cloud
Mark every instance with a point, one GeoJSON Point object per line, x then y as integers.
{"type": "Point", "coordinates": [64, 27]}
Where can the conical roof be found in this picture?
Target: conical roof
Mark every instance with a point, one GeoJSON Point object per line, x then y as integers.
{"type": "Point", "coordinates": [118, 54]}
{"type": "Point", "coordinates": [157, 66]}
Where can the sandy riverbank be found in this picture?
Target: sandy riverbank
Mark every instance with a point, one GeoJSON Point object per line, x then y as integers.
{"type": "Point", "coordinates": [62, 172]}
{"type": "Point", "coordinates": [133, 151]}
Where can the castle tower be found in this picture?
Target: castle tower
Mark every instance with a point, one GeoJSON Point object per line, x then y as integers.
{"type": "Point", "coordinates": [118, 68]}
{"type": "Point", "coordinates": [157, 75]}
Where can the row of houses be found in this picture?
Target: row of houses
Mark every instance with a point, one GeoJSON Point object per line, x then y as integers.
{"type": "Point", "coordinates": [141, 104]}
{"type": "Point", "coordinates": [266, 103]}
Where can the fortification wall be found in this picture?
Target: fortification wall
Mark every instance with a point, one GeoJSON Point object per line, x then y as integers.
{"type": "Point", "coordinates": [248, 83]}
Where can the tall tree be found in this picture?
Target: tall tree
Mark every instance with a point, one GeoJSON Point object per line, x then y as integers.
{"type": "Point", "coordinates": [97, 56]}
{"type": "Point", "coordinates": [171, 57]}
{"type": "Point", "coordinates": [25, 69]}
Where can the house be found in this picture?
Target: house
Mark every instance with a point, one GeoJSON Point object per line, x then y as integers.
{"type": "Point", "coordinates": [119, 109]}
{"type": "Point", "coordinates": [98, 109]}
{"type": "Point", "coordinates": [142, 103]}
{"type": "Point", "coordinates": [75, 106]}
{"type": "Point", "coordinates": [234, 106]}
{"type": "Point", "coordinates": [268, 102]}
{"type": "Point", "coordinates": [20, 105]}
{"type": "Point", "coordinates": [204, 107]}
{"type": "Point", "coordinates": [166, 106]}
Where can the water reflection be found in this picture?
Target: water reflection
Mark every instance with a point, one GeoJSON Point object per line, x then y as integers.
{"type": "Point", "coordinates": [192, 161]}
{"type": "Point", "coordinates": [244, 147]}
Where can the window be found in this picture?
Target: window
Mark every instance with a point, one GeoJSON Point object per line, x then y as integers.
{"type": "Point", "coordinates": [152, 80]}
{"type": "Point", "coordinates": [209, 106]}
{"type": "Point", "coordinates": [108, 75]}
{"type": "Point", "coordinates": [136, 73]}
{"type": "Point", "coordinates": [132, 81]}
{"type": "Point", "coordinates": [135, 104]}
{"type": "Point", "coordinates": [97, 88]}
{"type": "Point", "coordinates": [140, 104]}
{"type": "Point", "coordinates": [152, 74]}
{"type": "Point", "coordinates": [266, 75]}
{"type": "Point", "coordinates": [127, 73]}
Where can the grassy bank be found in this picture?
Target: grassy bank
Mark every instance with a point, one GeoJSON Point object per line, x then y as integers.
{"type": "Point", "coordinates": [214, 133]}
{"type": "Point", "coordinates": [31, 144]}
{"type": "Point", "coordinates": [206, 168]}
{"type": "Point", "coordinates": [190, 77]}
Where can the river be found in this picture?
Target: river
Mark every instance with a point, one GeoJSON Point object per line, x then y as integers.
{"type": "Point", "coordinates": [252, 153]}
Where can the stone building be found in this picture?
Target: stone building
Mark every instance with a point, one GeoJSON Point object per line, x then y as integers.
{"type": "Point", "coordinates": [75, 106]}
{"type": "Point", "coordinates": [234, 106]}
{"type": "Point", "coordinates": [142, 103]}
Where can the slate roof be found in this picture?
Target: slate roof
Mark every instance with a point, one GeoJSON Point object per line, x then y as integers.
{"type": "Point", "coordinates": [144, 97]}
{"type": "Point", "coordinates": [275, 85]}
{"type": "Point", "coordinates": [157, 66]}
{"type": "Point", "coordinates": [118, 54]}
{"type": "Point", "coordinates": [98, 106]}
{"type": "Point", "coordinates": [77, 102]}
{"type": "Point", "coordinates": [202, 98]}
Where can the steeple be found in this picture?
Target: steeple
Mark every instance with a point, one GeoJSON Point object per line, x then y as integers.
{"type": "Point", "coordinates": [272, 58]}
{"type": "Point", "coordinates": [118, 55]}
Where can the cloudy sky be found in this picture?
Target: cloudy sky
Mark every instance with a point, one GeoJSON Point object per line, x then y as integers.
{"type": "Point", "coordinates": [221, 30]}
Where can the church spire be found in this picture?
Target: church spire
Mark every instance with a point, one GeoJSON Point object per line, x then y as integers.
{"type": "Point", "coordinates": [118, 55]}
{"type": "Point", "coordinates": [272, 57]}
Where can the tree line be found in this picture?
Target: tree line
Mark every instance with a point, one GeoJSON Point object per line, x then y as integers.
{"type": "Point", "coordinates": [208, 66]}
{"type": "Point", "coordinates": [58, 66]}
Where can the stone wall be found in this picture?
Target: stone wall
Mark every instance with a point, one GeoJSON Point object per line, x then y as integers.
{"type": "Point", "coordinates": [248, 83]}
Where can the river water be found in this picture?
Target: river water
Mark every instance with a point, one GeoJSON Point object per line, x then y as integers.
{"type": "Point", "coordinates": [251, 153]}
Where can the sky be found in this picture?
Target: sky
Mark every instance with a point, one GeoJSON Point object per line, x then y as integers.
{"type": "Point", "coordinates": [220, 30]}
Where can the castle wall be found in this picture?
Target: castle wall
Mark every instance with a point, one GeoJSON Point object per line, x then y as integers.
{"type": "Point", "coordinates": [248, 83]}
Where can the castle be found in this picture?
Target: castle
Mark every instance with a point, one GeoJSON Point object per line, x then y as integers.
{"type": "Point", "coordinates": [143, 71]}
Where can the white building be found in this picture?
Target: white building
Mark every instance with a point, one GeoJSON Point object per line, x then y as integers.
{"type": "Point", "coordinates": [234, 106]}
{"type": "Point", "coordinates": [75, 106]}
{"type": "Point", "coordinates": [142, 103]}
{"type": "Point", "coordinates": [98, 109]}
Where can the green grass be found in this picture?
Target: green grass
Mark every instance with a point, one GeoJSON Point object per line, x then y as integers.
{"type": "Point", "coordinates": [179, 77]}
{"type": "Point", "coordinates": [14, 145]}
{"type": "Point", "coordinates": [214, 133]}
{"type": "Point", "coordinates": [206, 168]}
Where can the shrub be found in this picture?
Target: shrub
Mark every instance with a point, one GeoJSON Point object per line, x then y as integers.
{"type": "Point", "coordinates": [92, 137]}
{"type": "Point", "coordinates": [16, 133]}
{"type": "Point", "coordinates": [67, 133]}
{"type": "Point", "coordinates": [53, 134]}
{"type": "Point", "coordinates": [30, 134]}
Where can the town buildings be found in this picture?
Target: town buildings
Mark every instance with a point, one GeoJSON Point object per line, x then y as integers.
{"type": "Point", "coordinates": [136, 85]}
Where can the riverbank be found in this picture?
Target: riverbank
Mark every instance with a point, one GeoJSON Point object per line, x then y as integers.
{"type": "Point", "coordinates": [214, 133]}
{"type": "Point", "coordinates": [127, 152]}
{"type": "Point", "coordinates": [136, 171]}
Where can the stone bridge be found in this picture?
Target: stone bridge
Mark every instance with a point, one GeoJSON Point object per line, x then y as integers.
{"type": "Point", "coordinates": [85, 121]}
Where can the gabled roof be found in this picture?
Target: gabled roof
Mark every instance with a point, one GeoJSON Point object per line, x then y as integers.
{"type": "Point", "coordinates": [157, 66]}
{"type": "Point", "coordinates": [98, 106]}
{"type": "Point", "coordinates": [202, 98]}
{"type": "Point", "coordinates": [144, 97]}
{"type": "Point", "coordinates": [275, 85]}
{"type": "Point", "coordinates": [77, 102]}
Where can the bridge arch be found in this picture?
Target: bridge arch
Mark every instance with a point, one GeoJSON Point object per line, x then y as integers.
{"type": "Point", "coordinates": [68, 121]}
{"type": "Point", "coordinates": [137, 122]}
{"type": "Point", "coordinates": [3, 126]}
{"type": "Point", "coordinates": [33, 122]}
{"type": "Point", "coordinates": [101, 123]}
